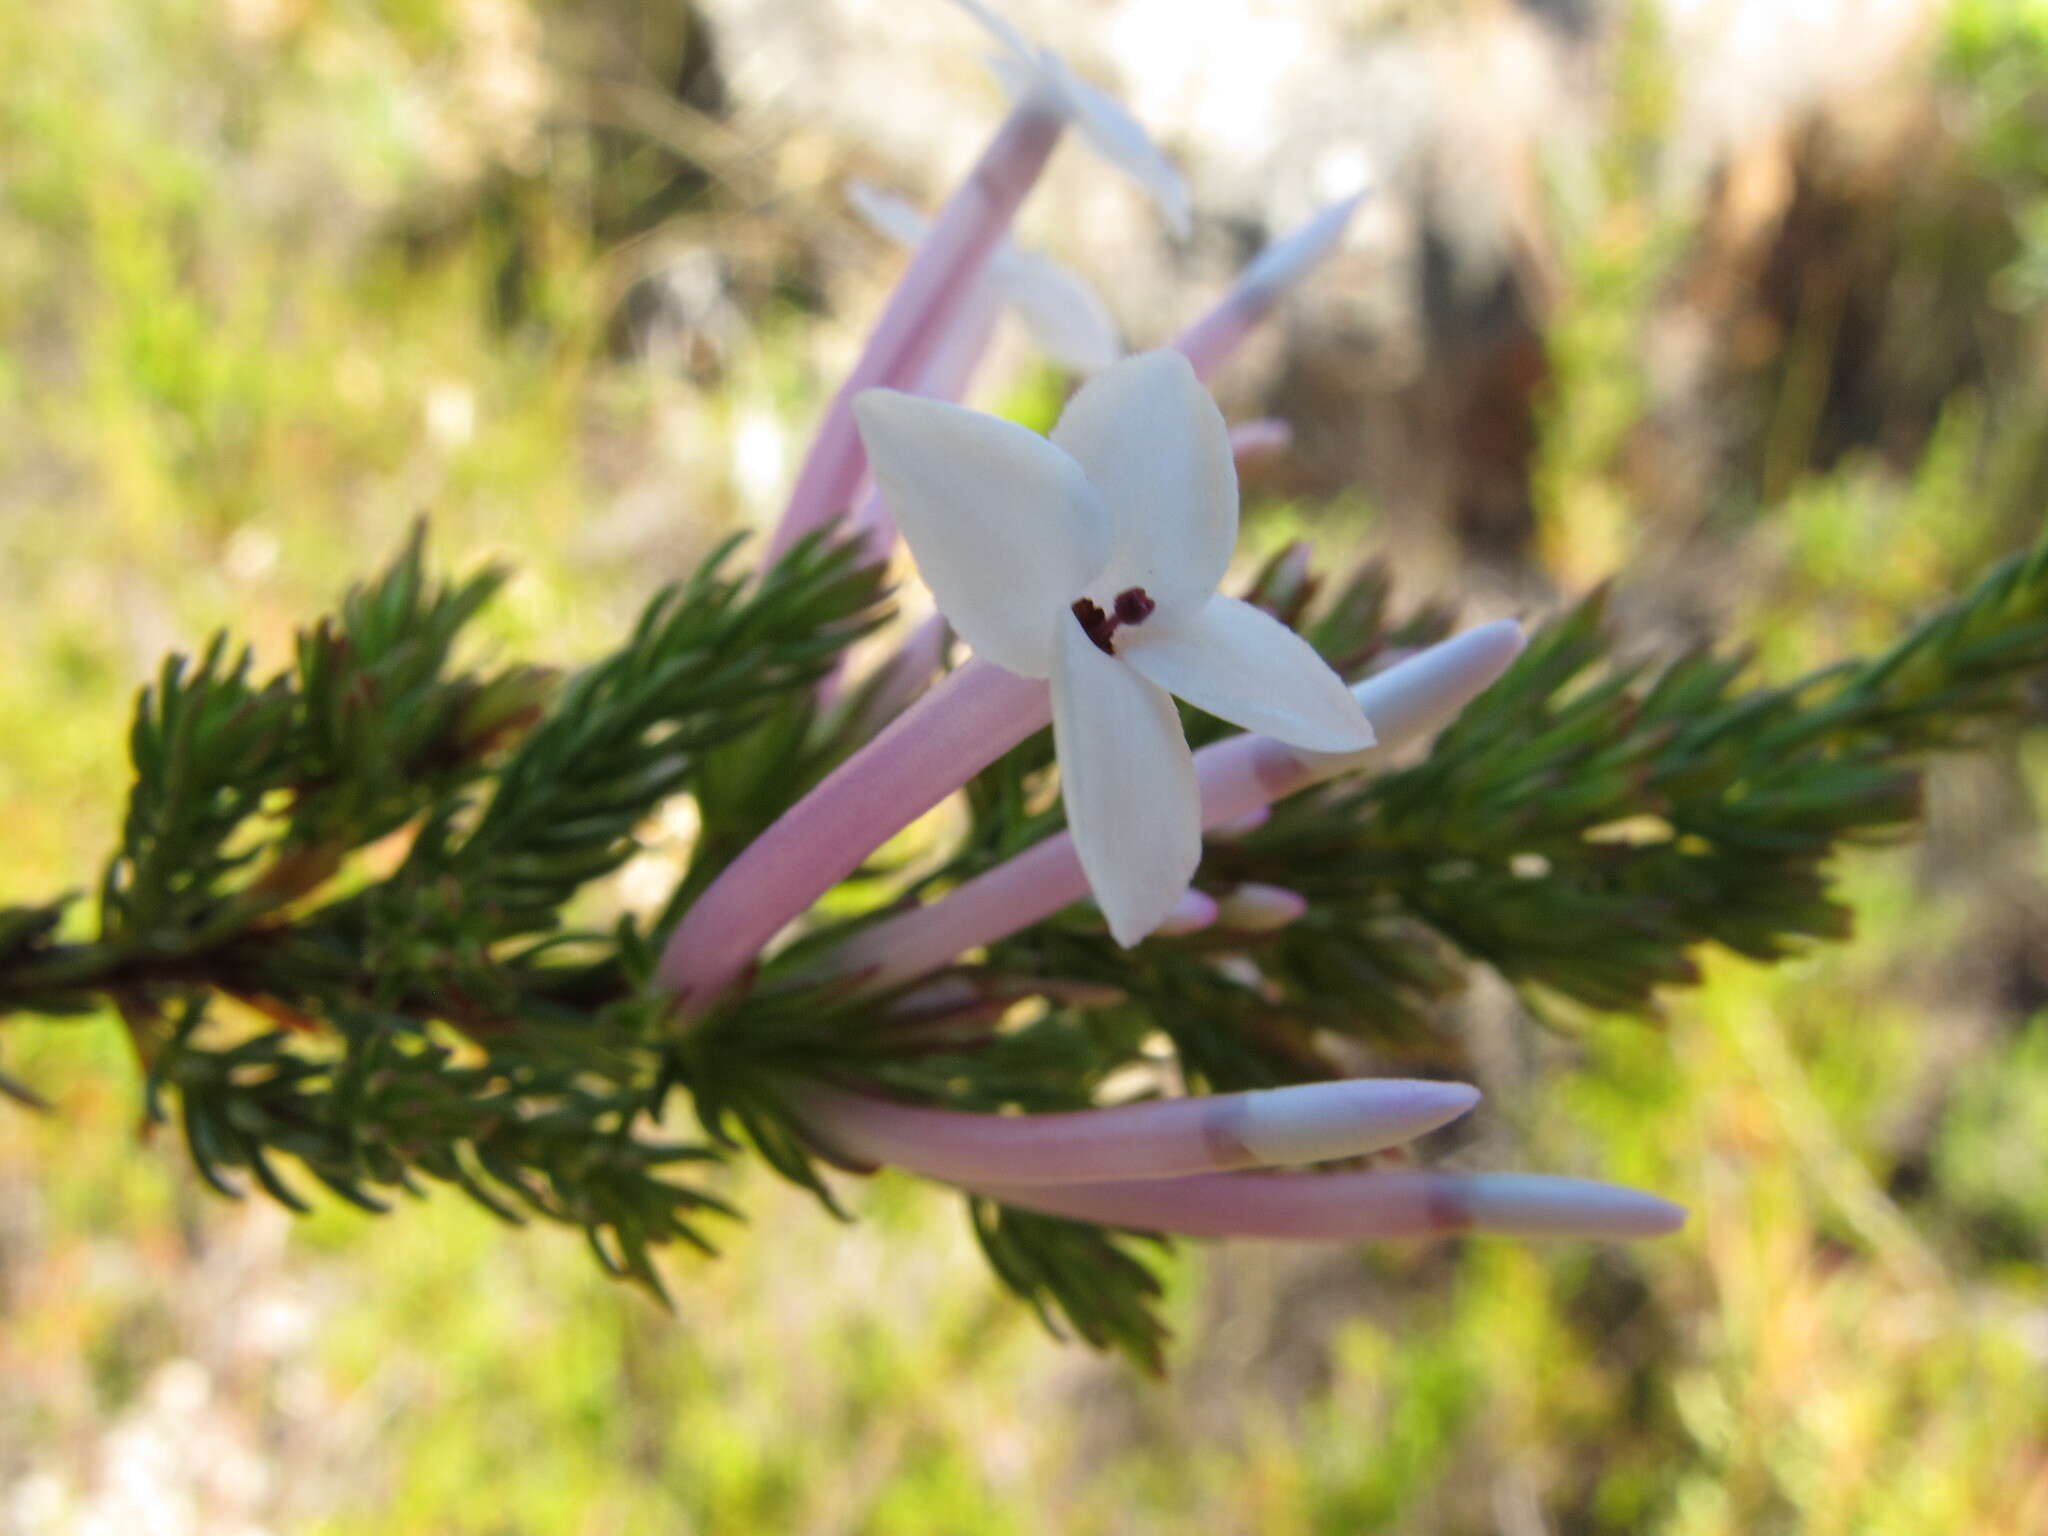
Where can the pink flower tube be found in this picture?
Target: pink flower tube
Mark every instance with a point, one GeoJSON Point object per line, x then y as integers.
{"type": "Point", "coordinates": [950, 734]}
{"type": "Point", "coordinates": [941, 278]}
{"type": "Point", "coordinates": [1210, 340]}
{"type": "Point", "coordinates": [1311, 1122]}
{"type": "Point", "coordinates": [1238, 778]}
{"type": "Point", "coordinates": [1207, 344]}
{"type": "Point", "coordinates": [1354, 1206]}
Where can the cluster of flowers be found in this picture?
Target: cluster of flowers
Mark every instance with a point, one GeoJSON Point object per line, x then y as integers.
{"type": "Point", "coordinates": [1082, 570]}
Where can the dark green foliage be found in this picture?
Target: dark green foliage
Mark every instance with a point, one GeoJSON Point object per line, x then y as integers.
{"type": "Point", "coordinates": [386, 730]}
{"type": "Point", "coordinates": [708, 664]}
{"type": "Point", "coordinates": [1079, 1271]}
{"type": "Point", "coordinates": [309, 1017]}
{"type": "Point", "coordinates": [438, 1021]}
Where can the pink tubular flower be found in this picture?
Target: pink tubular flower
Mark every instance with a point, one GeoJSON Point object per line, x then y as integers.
{"type": "Point", "coordinates": [941, 280]}
{"type": "Point", "coordinates": [1092, 560]}
{"type": "Point", "coordinates": [1021, 543]}
{"type": "Point", "coordinates": [1354, 1206]}
{"type": "Point", "coordinates": [1030, 72]}
{"type": "Point", "coordinates": [1064, 315]}
{"type": "Point", "coordinates": [1236, 779]}
{"type": "Point", "coordinates": [938, 292]}
{"type": "Point", "coordinates": [1073, 327]}
{"type": "Point", "coordinates": [1279, 266]}
{"type": "Point", "coordinates": [1170, 1165]}
{"type": "Point", "coordinates": [1307, 1123]}
{"type": "Point", "coordinates": [935, 746]}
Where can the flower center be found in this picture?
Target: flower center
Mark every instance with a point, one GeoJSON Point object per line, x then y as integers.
{"type": "Point", "coordinates": [1131, 606]}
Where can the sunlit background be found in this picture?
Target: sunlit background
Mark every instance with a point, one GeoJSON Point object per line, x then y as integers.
{"type": "Point", "coordinates": [1742, 303]}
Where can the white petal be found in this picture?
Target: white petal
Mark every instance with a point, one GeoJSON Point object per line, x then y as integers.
{"type": "Point", "coordinates": [1128, 780]}
{"type": "Point", "coordinates": [1291, 257]}
{"type": "Point", "coordinates": [1004, 526]}
{"type": "Point", "coordinates": [1110, 130]}
{"type": "Point", "coordinates": [887, 214]}
{"type": "Point", "coordinates": [1158, 453]}
{"type": "Point", "coordinates": [1121, 140]}
{"type": "Point", "coordinates": [1065, 316]}
{"type": "Point", "coordinates": [1243, 665]}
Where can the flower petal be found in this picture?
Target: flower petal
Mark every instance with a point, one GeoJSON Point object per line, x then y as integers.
{"type": "Point", "coordinates": [1120, 139]}
{"type": "Point", "coordinates": [1065, 316]}
{"type": "Point", "coordinates": [1004, 526]}
{"type": "Point", "coordinates": [1157, 451]}
{"type": "Point", "coordinates": [887, 214]}
{"type": "Point", "coordinates": [1242, 664]}
{"type": "Point", "coordinates": [1128, 780]}
{"type": "Point", "coordinates": [1110, 130]}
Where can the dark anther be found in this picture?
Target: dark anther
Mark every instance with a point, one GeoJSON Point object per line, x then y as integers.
{"type": "Point", "coordinates": [1132, 607]}
{"type": "Point", "coordinates": [1095, 624]}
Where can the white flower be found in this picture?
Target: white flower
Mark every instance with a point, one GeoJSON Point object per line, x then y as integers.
{"type": "Point", "coordinates": [1092, 560]}
{"type": "Point", "coordinates": [1065, 316]}
{"type": "Point", "coordinates": [1025, 68]}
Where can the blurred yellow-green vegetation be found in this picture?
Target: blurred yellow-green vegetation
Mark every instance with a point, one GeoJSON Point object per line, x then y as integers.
{"type": "Point", "coordinates": [278, 276]}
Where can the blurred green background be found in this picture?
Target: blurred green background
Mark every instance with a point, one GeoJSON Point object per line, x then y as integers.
{"type": "Point", "coordinates": [277, 276]}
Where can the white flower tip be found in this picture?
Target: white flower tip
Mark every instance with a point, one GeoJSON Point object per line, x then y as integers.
{"type": "Point", "coordinates": [1427, 690]}
{"type": "Point", "coordinates": [1366, 736]}
{"type": "Point", "coordinates": [1318, 1122]}
{"type": "Point", "coordinates": [1287, 260]}
{"type": "Point", "coordinates": [1542, 1205]}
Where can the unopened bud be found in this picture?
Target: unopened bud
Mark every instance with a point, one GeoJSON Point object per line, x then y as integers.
{"type": "Point", "coordinates": [1192, 913]}
{"type": "Point", "coordinates": [1258, 908]}
{"type": "Point", "coordinates": [1243, 826]}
